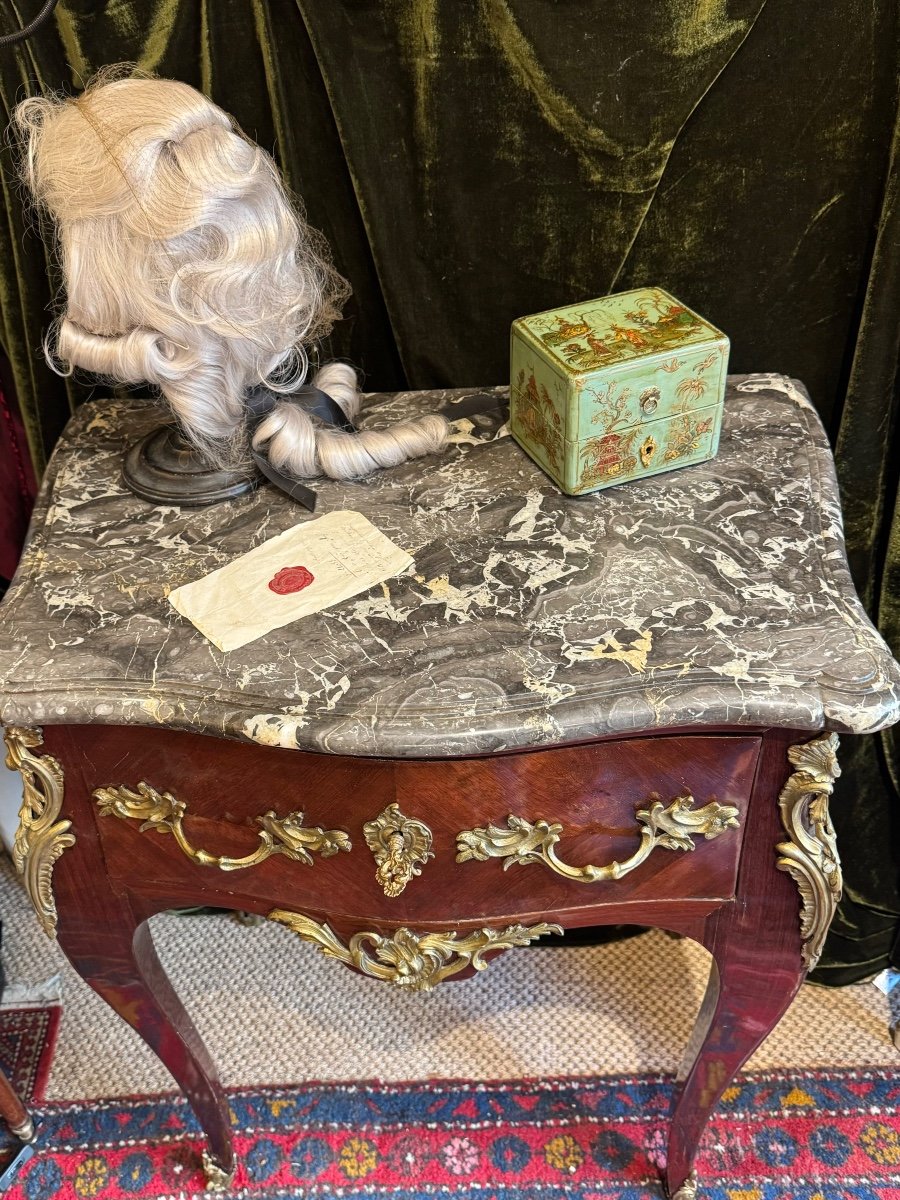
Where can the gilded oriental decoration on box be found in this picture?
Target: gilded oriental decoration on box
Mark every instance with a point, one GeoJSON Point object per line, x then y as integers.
{"type": "Point", "coordinates": [617, 388]}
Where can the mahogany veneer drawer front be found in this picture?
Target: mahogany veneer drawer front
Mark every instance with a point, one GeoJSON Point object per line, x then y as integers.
{"type": "Point", "coordinates": [427, 842]}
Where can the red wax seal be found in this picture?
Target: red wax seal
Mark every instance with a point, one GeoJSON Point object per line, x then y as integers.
{"type": "Point", "coordinates": [290, 579]}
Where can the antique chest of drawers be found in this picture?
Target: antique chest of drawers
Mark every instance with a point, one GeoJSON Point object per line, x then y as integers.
{"type": "Point", "coordinates": [569, 712]}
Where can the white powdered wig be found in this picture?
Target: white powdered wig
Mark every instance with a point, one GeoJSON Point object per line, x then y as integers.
{"type": "Point", "coordinates": [186, 267]}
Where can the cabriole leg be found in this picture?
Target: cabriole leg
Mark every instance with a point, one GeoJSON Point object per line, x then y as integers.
{"type": "Point", "coordinates": [766, 939]}
{"type": "Point", "coordinates": [119, 961]}
{"type": "Point", "coordinates": [743, 1010]}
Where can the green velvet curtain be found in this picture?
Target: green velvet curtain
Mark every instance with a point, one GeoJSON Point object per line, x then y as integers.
{"type": "Point", "coordinates": [474, 160]}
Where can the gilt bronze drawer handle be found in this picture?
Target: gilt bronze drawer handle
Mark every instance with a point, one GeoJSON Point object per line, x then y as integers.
{"type": "Point", "coordinates": [401, 847]}
{"type": "Point", "coordinates": [278, 835]}
{"type": "Point", "coordinates": [415, 961]}
{"type": "Point", "coordinates": [669, 828]}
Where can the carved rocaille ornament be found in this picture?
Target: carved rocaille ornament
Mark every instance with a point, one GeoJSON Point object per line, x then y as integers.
{"type": "Point", "coordinates": [160, 811]}
{"type": "Point", "coordinates": [811, 856]}
{"type": "Point", "coordinates": [401, 846]}
{"type": "Point", "coordinates": [415, 961]}
{"type": "Point", "coordinates": [669, 827]}
{"type": "Point", "coordinates": [40, 838]}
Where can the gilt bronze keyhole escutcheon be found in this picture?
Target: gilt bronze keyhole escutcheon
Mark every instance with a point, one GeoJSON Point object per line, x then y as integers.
{"type": "Point", "coordinates": [401, 846]}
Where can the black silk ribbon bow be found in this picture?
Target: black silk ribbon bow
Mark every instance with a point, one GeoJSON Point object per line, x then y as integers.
{"type": "Point", "coordinates": [261, 401]}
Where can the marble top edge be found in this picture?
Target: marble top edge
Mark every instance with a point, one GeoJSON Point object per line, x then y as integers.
{"type": "Point", "coordinates": [557, 679]}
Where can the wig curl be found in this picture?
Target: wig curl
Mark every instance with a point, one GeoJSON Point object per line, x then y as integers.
{"type": "Point", "coordinates": [186, 266]}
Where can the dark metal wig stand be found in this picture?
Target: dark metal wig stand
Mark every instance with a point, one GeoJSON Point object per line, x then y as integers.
{"type": "Point", "coordinates": [165, 468]}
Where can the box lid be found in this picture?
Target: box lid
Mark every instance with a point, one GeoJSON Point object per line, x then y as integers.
{"type": "Point", "coordinates": [618, 329]}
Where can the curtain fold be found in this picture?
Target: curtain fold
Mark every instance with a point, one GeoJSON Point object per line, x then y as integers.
{"type": "Point", "coordinates": [470, 161]}
{"type": "Point", "coordinates": [868, 471]}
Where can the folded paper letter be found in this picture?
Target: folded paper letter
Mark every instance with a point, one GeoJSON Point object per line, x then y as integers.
{"type": "Point", "coordinates": [301, 571]}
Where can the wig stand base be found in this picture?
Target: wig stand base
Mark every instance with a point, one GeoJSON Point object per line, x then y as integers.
{"type": "Point", "coordinates": [165, 468]}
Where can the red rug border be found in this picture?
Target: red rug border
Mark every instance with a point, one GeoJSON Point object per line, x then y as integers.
{"type": "Point", "coordinates": [563, 1137]}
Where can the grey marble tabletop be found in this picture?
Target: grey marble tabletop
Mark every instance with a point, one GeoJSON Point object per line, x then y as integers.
{"type": "Point", "coordinates": [713, 595]}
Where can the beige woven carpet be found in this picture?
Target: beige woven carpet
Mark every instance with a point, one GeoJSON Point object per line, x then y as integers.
{"type": "Point", "coordinates": [273, 1010]}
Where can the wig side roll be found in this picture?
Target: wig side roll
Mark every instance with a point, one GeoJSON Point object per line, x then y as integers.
{"type": "Point", "coordinates": [297, 445]}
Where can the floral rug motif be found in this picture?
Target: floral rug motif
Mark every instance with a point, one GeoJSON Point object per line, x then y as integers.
{"type": "Point", "coordinates": [821, 1135]}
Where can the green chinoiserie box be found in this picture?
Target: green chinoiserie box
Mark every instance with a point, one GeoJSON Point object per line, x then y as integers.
{"type": "Point", "coordinates": [617, 388]}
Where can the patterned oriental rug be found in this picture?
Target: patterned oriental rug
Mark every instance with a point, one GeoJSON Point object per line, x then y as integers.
{"type": "Point", "coordinates": [27, 1041]}
{"type": "Point", "coordinates": [817, 1135]}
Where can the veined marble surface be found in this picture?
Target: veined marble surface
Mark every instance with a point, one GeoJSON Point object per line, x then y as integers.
{"type": "Point", "coordinates": [713, 595]}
